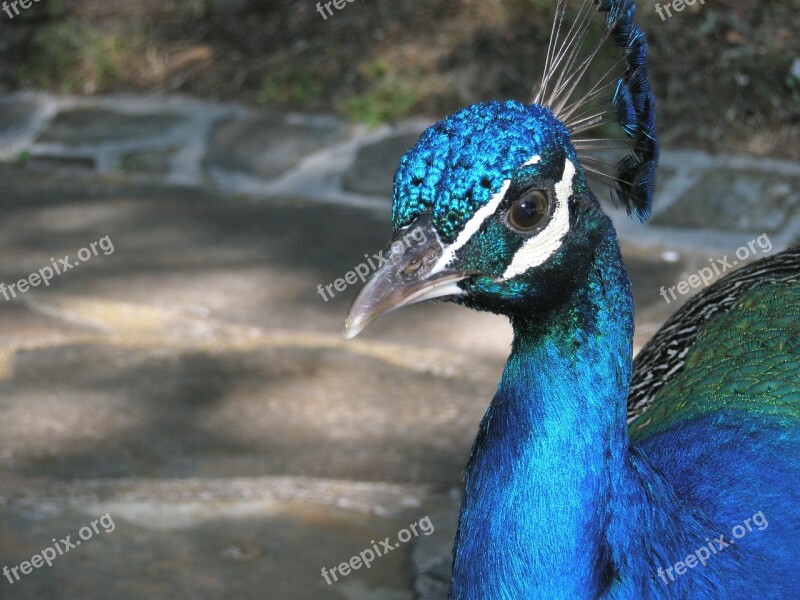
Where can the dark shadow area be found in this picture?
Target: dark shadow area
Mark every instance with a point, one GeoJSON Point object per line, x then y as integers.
{"type": "Point", "coordinates": [231, 409]}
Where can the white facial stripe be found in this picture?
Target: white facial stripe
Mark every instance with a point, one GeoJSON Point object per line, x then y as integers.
{"type": "Point", "coordinates": [534, 161]}
{"type": "Point", "coordinates": [483, 213]}
{"type": "Point", "coordinates": [474, 224]}
{"type": "Point", "coordinates": [538, 249]}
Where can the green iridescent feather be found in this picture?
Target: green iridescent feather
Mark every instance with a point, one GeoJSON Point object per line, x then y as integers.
{"type": "Point", "coordinates": [746, 360]}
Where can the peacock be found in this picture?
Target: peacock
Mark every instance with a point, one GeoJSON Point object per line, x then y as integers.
{"type": "Point", "coordinates": [594, 476]}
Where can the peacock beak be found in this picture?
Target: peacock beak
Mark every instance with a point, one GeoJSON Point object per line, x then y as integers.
{"type": "Point", "coordinates": [407, 276]}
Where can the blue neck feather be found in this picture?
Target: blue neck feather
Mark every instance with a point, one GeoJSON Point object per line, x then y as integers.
{"type": "Point", "coordinates": [557, 504]}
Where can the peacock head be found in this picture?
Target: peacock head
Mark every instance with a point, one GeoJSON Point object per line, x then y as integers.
{"type": "Point", "coordinates": [498, 194]}
{"type": "Point", "coordinates": [498, 190]}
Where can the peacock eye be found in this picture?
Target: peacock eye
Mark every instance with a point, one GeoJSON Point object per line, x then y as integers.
{"type": "Point", "coordinates": [529, 211]}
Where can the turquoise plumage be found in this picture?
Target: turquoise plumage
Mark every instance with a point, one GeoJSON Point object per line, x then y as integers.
{"type": "Point", "coordinates": [698, 496]}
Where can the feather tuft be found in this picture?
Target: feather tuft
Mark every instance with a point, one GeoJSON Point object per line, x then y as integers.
{"type": "Point", "coordinates": [632, 97]}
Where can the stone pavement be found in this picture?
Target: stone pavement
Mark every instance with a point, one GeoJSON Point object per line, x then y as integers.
{"type": "Point", "coordinates": [193, 384]}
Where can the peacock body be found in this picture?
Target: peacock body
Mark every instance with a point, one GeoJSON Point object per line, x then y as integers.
{"type": "Point", "coordinates": [563, 497]}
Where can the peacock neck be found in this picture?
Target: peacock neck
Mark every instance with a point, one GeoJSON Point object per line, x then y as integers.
{"type": "Point", "coordinates": [552, 451]}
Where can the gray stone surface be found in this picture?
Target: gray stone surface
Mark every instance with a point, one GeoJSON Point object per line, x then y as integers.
{"type": "Point", "coordinates": [373, 170]}
{"type": "Point", "coordinates": [183, 332]}
{"type": "Point", "coordinates": [736, 200]}
{"type": "Point", "coordinates": [15, 114]}
{"type": "Point", "coordinates": [231, 548]}
{"type": "Point", "coordinates": [149, 162]}
{"type": "Point", "coordinates": [50, 164]}
{"type": "Point", "coordinates": [85, 126]}
{"type": "Point", "coordinates": [432, 555]}
{"type": "Point", "coordinates": [267, 146]}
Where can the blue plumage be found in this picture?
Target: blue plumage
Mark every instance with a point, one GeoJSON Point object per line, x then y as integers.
{"type": "Point", "coordinates": [636, 173]}
{"type": "Point", "coordinates": [626, 111]}
{"type": "Point", "coordinates": [562, 499]}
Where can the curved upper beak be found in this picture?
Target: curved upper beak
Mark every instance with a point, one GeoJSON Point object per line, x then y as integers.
{"type": "Point", "coordinates": [405, 277]}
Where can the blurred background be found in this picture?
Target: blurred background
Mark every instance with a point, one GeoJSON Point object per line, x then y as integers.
{"type": "Point", "coordinates": [723, 69]}
{"type": "Point", "coordinates": [237, 155]}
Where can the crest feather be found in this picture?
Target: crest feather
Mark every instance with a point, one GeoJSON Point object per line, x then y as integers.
{"type": "Point", "coordinates": [621, 97]}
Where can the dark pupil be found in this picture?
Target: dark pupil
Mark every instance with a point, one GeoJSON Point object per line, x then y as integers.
{"type": "Point", "coordinates": [529, 211]}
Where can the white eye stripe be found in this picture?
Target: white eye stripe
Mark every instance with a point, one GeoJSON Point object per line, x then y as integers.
{"type": "Point", "coordinates": [474, 224]}
{"type": "Point", "coordinates": [536, 250]}
{"type": "Point", "coordinates": [534, 161]}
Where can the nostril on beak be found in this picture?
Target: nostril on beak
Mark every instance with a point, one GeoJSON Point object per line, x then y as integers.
{"type": "Point", "coordinates": [412, 267]}
{"type": "Point", "coordinates": [423, 262]}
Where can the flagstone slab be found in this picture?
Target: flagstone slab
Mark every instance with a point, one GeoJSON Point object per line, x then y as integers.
{"type": "Point", "coordinates": [267, 146]}
{"type": "Point", "coordinates": [180, 546]}
{"type": "Point", "coordinates": [372, 172]}
{"type": "Point", "coordinates": [94, 126]}
{"type": "Point", "coordinates": [736, 200]}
